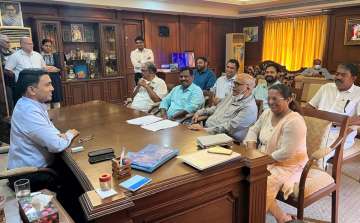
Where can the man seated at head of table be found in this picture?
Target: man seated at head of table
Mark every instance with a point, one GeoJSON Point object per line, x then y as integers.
{"type": "Point", "coordinates": [183, 99]}
{"type": "Point", "coordinates": [233, 115]}
{"type": "Point", "coordinates": [341, 97]}
{"type": "Point", "coordinates": [149, 90]}
{"type": "Point", "coordinates": [224, 83]}
{"type": "Point", "coordinates": [271, 78]}
{"type": "Point", "coordinates": [34, 140]}
{"type": "Point", "coordinates": [317, 71]}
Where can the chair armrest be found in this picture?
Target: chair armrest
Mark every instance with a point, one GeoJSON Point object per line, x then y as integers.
{"type": "Point", "coordinates": [25, 170]}
{"type": "Point", "coordinates": [155, 108]}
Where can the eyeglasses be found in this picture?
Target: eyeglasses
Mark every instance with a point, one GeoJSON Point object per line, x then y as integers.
{"type": "Point", "coordinates": [237, 84]}
{"type": "Point", "coordinates": [139, 42]}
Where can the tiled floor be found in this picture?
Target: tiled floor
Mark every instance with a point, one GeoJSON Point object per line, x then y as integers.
{"type": "Point", "coordinates": [321, 210]}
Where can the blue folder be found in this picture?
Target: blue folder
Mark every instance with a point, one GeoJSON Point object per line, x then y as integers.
{"type": "Point", "coordinates": [151, 157]}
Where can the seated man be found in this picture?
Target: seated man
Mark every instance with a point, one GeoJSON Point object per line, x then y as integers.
{"type": "Point", "coordinates": [203, 76]}
{"type": "Point", "coordinates": [33, 138]}
{"type": "Point", "coordinates": [317, 71]}
{"type": "Point", "coordinates": [261, 90]}
{"type": "Point", "coordinates": [224, 84]}
{"type": "Point", "coordinates": [183, 99]}
{"type": "Point", "coordinates": [149, 90]}
{"type": "Point", "coordinates": [341, 97]}
{"type": "Point", "coordinates": [233, 115]}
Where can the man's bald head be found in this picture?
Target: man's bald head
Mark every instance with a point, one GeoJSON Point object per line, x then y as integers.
{"type": "Point", "coordinates": [248, 79]}
{"type": "Point", "coordinates": [26, 44]}
{"type": "Point", "coordinates": [243, 85]}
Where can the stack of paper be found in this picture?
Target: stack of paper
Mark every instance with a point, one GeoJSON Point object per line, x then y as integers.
{"type": "Point", "coordinates": [164, 124]}
{"type": "Point", "coordinates": [214, 140]}
{"type": "Point", "coordinates": [145, 120]}
{"type": "Point", "coordinates": [202, 159]}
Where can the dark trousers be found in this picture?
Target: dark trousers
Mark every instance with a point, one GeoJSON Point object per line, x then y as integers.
{"type": "Point", "coordinates": [138, 76]}
{"type": "Point", "coordinates": [41, 180]}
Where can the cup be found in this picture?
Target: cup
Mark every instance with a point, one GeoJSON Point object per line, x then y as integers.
{"type": "Point", "coordinates": [22, 188]}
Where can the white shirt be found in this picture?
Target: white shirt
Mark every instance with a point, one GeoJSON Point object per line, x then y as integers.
{"type": "Point", "coordinates": [142, 100]}
{"type": "Point", "coordinates": [223, 86]}
{"type": "Point", "coordinates": [33, 138]}
{"type": "Point", "coordinates": [330, 99]}
{"type": "Point", "coordinates": [21, 60]}
{"type": "Point", "coordinates": [140, 57]}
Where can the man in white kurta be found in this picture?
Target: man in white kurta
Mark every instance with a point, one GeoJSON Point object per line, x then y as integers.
{"type": "Point", "coordinates": [150, 89]}
{"type": "Point", "coordinates": [341, 97]}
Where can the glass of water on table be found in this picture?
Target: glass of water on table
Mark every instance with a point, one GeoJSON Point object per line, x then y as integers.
{"type": "Point", "coordinates": [22, 188]}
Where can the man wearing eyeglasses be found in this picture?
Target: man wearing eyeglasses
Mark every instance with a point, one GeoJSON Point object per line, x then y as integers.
{"type": "Point", "coordinates": [234, 114]}
{"type": "Point", "coordinates": [140, 56]}
{"type": "Point", "coordinates": [341, 97]}
{"type": "Point", "coordinates": [149, 90]}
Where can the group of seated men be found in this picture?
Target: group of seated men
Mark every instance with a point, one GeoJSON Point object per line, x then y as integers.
{"type": "Point", "coordinates": [34, 139]}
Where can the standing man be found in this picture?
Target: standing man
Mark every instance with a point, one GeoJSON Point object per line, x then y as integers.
{"type": "Point", "coordinates": [26, 58]}
{"type": "Point", "coordinates": [140, 56]}
{"type": "Point", "coordinates": [8, 77]}
{"type": "Point", "coordinates": [203, 76]}
{"type": "Point", "coordinates": [53, 59]}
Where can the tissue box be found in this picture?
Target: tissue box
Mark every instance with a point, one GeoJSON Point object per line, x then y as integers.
{"type": "Point", "coordinates": [30, 215]}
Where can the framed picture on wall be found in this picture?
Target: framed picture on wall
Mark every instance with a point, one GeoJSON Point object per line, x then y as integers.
{"type": "Point", "coordinates": [352, 31]}
{"type": "Point", "coordinates": [77, 33]}
{"type": "Point", "coordinates": [11, 14]}
{"type": "Point", "coordinates": [251, 34]}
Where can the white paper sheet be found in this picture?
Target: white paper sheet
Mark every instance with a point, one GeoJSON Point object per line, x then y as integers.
{"type": "Point", "coordinates": [105, 194]}
{"type": "Point", "coordinates": [164, 124]}
{"type": "Point", "coordinates": [145, 120]}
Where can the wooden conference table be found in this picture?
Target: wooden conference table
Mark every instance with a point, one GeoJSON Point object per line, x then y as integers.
{"type": "Point", "coordinates": [234, 192]}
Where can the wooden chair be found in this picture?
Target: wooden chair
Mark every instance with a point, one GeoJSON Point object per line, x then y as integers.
{"type": "Point", "coordinates": [314, 182]}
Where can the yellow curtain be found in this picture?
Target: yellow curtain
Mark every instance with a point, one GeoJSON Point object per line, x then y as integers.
{"type": "Point", "coordinates": [295, 42]}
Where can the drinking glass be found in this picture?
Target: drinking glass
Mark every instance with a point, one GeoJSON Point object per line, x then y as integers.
{"type": "Point", "coordinates": [22, 188]}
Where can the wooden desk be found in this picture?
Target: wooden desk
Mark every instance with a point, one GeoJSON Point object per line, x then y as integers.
{"type": "Point", "coordinates": [178, 193]}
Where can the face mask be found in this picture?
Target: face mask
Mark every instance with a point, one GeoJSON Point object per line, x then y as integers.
{"type": "Point", "coordinates": [317, 67]}
{"type": "Point", "coordinates": [270, 79]}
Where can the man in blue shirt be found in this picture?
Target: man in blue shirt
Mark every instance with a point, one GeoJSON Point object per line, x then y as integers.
{"type": "Point", "coordinates": [183, 99]}
{"type": "Point", "coordinates": [203, 76]}
{"type": "Point", "coordinates": [33, 138]}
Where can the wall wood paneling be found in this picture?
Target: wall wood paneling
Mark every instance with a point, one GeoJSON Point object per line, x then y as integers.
{"type": "Point", "coordinates": [162, 46]}
{"type": "Point", "coordinates": [253, 51]}
{"type": "Point", "coordinates": [217, 44]}
{"type": "Point", "coordinates": [194, 35]}
{"type": "Point", "coordinates": [337, 52]}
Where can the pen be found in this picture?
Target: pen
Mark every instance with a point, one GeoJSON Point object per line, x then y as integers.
{"type": "Point", "coordinates": [122, 156]}
{"type": "Point", "coordinates": [347, 102]}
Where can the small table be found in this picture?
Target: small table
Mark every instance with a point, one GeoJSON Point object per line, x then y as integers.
{"type": "Point", "coordinates": [64, 217]}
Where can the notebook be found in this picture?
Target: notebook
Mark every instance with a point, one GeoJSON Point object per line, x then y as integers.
{"type": "Point", "coordinates": [151, 157]}
{"type": "Point", "coordinates": [202, 159]}
{"type": "Point", "coordinates": [135, 182]}
{"type": "Point", "coordinates": [213, 140]}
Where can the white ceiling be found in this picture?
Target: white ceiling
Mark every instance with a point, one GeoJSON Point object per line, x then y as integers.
{"type": "Point", "coordinates": [213, 8]}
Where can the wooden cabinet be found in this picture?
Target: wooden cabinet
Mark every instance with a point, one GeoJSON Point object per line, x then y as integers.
{"type": "Point", "coordinates": [112, 90]}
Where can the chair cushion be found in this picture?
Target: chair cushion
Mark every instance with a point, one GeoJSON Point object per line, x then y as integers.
{"type": "Point", "coordinates": [317, 133]}
{"type": "Point", "coordinates": [315, 181]}
{"type": "Point", "coordinates": [353, 150]}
